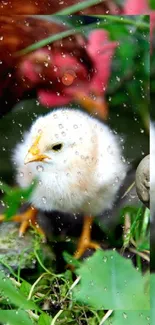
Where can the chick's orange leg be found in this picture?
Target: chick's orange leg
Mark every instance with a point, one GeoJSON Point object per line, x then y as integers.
{"type": "Point", "coordinates": [26, 219]}
{"type": "Point", "coordinates": [85, 241]}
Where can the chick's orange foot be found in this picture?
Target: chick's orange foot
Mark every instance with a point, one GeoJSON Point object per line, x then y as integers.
{"type": "Point", "coordinates": [26, 219]}
{"type": "Point", "coordinates": [85, 241]}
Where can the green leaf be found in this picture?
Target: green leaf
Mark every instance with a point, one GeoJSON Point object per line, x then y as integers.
{"type": "Point", "coordinates": [152, 4]}
{"type": "Point", "coordinates": [110, 281]}
{"type": "Point", "coordinates": [71, 259]}
{"type": "Point", "coordinates": [5, 188]}
{"type": "Point", "coordinates": [126, 54]}
{"type": "Point", "coordinates": [129, 317]}
{"type": "Point", "coordinates": [17, 298]}
{"type": "Point", "coordinates": [145, 245]}
{"type": "Point", "coordinates": [152, 298]}
{"type": "Point", "coordinates": [25, 288]}
{"type": "Point", "coordinates": [14, 317]}
{"type": "Point", "coordinates": [14, 197]}
{"type": "Point", "coordinates": [44, 319]}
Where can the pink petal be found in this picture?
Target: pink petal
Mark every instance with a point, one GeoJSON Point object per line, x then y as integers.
{"type": "Point", "coordinates": [50, 99]}
{"type": "Point", "coordinates": [103, 71]}
{"type": "Point", "coordinates": [136, 7]}
{"type": "Point", "coordinates": [97, 39]}
{"type": "Point", "coordinates": [101, 51]}
{"type": "Point", "coordinates": [27, 70]}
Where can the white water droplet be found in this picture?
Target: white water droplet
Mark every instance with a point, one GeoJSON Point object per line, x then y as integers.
{"type": "Point", "coordinates": [44, 199]}
{"type": "Point", "coordinates": [125, 315]}
{"type": "Point", "coordinates": [40, 168]}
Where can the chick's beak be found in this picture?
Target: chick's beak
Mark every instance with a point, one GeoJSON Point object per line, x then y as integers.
{"type": "Point", "coordinates": [30, 158]}
{"type": "Point", "coordinates": [34, 153]}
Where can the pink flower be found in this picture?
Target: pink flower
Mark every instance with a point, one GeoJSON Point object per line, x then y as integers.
{"type": "Point", "coordinates": [133, 7]}
{"type": "Point", "coordinates": [61, 77]}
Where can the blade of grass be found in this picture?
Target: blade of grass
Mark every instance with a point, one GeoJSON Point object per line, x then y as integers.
{"type": "Point", "coordinates": [83, 29]}
{"type": "Point", "coordinates": [125, 21]}
{"type": "Point", "coordinates": [78, 7]}
{"type": "Point", "coordinates": [53, 38]}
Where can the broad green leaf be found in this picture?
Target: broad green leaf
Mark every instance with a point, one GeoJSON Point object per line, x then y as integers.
{"type": "Point", "coordinates": [129, 317]}
{"type": "Point", "coordinates": [17, 298]}
{"type": "Point", "coordinates": [44, 319]}
{"type": "Point", "coordinates": [14, 317]}
{"type": "Point", "coordinates": [110, 281]}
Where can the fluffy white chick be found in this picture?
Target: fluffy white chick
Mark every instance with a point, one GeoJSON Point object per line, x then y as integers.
{"type": "Point", "coordinates": [78, 163]}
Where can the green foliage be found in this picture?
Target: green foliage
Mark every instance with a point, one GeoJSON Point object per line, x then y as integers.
{"type": "Point", "coordinates": [109, 281]}
{"type": "Point", "coordinates": [15, 297]}
{"type": "Point", "coordinates": [152, 290]}
{"type": "Point", "coordinates": [14, 197]}
{"type": "Point", "coordinates": [139, 230]}
{"type": "Point", "coordinates": [141, 317]}
{"type": "Point", "coordinates": [15, 317]}
{"type": "Point", "coordinates": [44, 319]}
{"type": "Point", "coordinates": [152, 4]}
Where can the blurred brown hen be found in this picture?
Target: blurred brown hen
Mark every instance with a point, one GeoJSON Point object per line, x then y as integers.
{"type": "Point", "coordinates": [45, 7]}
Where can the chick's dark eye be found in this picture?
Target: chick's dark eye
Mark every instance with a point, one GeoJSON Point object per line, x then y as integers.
{"type": "Point", "coordinates": [57, 147]}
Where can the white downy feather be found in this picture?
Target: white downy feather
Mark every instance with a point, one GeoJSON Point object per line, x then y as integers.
{"type": "Point", "coordinates": [84, 176]}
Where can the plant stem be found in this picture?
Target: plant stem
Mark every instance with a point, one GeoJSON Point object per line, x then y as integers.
{"type": "Point", "coordinates": [56, 316]}
{"type": "Point", "coordinates": [78, 7]}
{"type": "Point", "coordinates": [106, 316]}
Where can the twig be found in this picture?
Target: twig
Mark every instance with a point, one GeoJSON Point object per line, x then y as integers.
{"type": "Point", "coordinates": [41, 264]}
{"type": "Point", "coordinates": [34, 284]}
{"type": "Point", "coordinates": [106, 316]}
{"type": "Point", "coordinates": [33, 315]}
{"type": "Point", "coordinates": [144, 256]}
{"type": "Point", "coordinates": [128, 190]}
{"type": "Point", "coordinates": [127, 225]}
{"type": "Point", "coordinates": [56, 316]}
{"type": "Point", "coordinates": [74, 284]}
